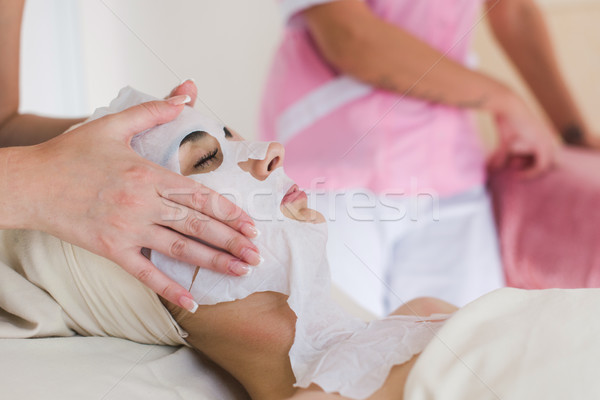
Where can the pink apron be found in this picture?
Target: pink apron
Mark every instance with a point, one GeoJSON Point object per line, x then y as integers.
{"type": "Point", "coordinates": [340, 133]}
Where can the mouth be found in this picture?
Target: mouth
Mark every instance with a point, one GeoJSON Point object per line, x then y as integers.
{"type": "Point", "coordinates": [294, 193]}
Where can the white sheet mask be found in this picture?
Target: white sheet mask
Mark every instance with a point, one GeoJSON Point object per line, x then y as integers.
{"type": "Point", "coordinates": [332, 349]}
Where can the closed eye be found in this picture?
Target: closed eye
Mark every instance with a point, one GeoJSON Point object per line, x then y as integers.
{"type": "Point", "coordinates": [199, 153]}
{"type": "Point", "coordinates": [205, 161]}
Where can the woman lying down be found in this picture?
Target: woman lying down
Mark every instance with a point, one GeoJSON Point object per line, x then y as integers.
{"type": "Point", "coordinates": [276, 330]}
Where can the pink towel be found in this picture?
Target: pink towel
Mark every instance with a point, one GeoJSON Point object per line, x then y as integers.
{"type": "Point", "coordinates": [549, 227]}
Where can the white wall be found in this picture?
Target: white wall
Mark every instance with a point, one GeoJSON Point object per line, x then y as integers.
{"type": "Point", "coordinates": [77, 54]}
{"type": "Point", "coordinates": [52, 79]}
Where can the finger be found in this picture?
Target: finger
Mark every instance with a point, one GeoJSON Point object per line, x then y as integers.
{"type": "Point", "coordinates": [147, 273]}
{"type": "Point", "coordinates": [136, 119]}
{"type": "Point", "coordinates": [182, 191]}
{"type": "Point", "coordinates": [179, 247]}
{"type": "Point", "coordinates": [187, 87]}
{"type": "Point", "coordinates": [541, 162]}
{"type": "Point", "coordinates": [498, 158]}
{"type": "Point", "coordinates": [215, 234]}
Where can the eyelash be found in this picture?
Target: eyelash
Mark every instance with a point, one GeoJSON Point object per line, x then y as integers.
{"type": "Point", "coordinates": [205, 160]}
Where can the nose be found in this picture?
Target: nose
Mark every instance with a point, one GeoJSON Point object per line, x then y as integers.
{"type": "Point", "coordinates": [261, 169]}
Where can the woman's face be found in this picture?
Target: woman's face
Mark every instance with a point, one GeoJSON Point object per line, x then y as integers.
{"type": "Point", "coordinates": [200, 153]}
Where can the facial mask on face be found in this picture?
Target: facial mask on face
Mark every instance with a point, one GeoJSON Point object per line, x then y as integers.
{"type": "Point", "coordinates": [332, 349]}
{"type": "Point", "coordinates": [260, 199]}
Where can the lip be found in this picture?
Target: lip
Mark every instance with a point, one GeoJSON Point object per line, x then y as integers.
{"type": "Point", "coordinates": [293, 194]}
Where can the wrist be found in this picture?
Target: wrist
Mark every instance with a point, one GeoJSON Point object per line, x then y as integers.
{"type": "Point", "coordinates": [15, 185]}
{"type": "Point", "coordinates": [5, 121]}
{"type": "Point", "coordinates": [503, 101]}
{"type": "Point", "coordinates": [573, 135]}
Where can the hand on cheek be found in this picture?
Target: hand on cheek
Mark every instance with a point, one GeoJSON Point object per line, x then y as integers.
{"type": "Point", "coordinates": [89, 188]}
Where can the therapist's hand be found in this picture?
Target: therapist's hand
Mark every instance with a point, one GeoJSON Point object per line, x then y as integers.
{"type": "Point", "coordinates": [522, 134]}
{"type": "Point", "coordinates": [88, 187]}
{"type": "Point", "coordinates": [589, 140]}
{"type": "Point", "coordinates": [187, 87]}
{"type": "Point", "coordinates": [592, 141]}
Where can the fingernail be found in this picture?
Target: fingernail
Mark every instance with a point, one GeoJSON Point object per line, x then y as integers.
{"type": "Point", "coordinates": [262, 260]}
{"type": "Point", "coordinates": [187, 80]}
{"type": "Point", "coordinates": [251, 256]}
{"type": "Point", "coordinates": [188, 303]}
{"type": "Point", "coordinates": [249, 230]}
{"type": "Point", "coordinates": [239, 268]}
{"type": "Point", "coordinates": [179, 100]}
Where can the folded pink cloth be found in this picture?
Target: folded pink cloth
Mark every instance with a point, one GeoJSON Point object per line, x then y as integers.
{"type": "Point", "coordinates": [549, 227]}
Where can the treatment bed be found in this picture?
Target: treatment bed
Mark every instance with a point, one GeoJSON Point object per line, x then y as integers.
{"type": "Point", "coordinates": [510, 344]}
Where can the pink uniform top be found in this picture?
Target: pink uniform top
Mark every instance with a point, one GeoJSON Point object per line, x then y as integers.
{"type": "Point", "coordinates": [346, 134]}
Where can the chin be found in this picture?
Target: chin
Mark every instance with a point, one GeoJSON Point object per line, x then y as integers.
{"type": "Point", "coordinates": [315, 217]}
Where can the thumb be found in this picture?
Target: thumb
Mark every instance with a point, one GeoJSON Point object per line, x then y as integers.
{"type": "Point", "coordinates": [187, 87]}
{"type": "Point", "coordinates": [136, 119]}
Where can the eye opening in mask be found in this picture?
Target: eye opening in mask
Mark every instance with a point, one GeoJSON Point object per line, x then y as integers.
{"type": "Point", "coordinates": [199, 153]}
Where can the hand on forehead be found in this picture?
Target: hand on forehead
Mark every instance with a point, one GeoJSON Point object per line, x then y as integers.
{"type": "Point", "coordinates": [199, 146]}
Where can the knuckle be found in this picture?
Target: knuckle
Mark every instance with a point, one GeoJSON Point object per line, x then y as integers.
{"type": "Point", "coordinates": [220, 262]}
{"type": "Point", "coordinates": [234, 245]}
{"type": "Point", "coordinates": [226, 211]}
{"type": "Point", "coordinates": [178, 248]}
{"type": "Point", "coordinates": [117, 221]}
{"type": "Point", "coordinates": [199, 199]}
{"type": "Point", "coordinates": [168, 292]}
{"type": "Point", "coordinates": [139, 173]}
{"type": "Point", "coordinates": [111, 245]}
{"type": "Point", "coordinates": [195, 226]}
{"type": "Point", "coordinates": [230, 211]}
{"type": "Point", "coordinates": [171, 211]}
{"type": "Point", "coordinates": [151, 107]}
{"type": "Point", "coordinates": [144, 275]}
{"type": "Point", "coordinates": [125, 198]}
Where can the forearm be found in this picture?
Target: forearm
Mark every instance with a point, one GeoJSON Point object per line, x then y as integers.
{"type": "Point", "coordinates": [18, 129]}
{"type": "Point", "coordinates": [28, 129]}
{"type": "Point", "coordinates": [11, 12]}
{"type": "Point", "coordinates": [521, 30]}
{"type": "Point", "coordinates": [359, 44]}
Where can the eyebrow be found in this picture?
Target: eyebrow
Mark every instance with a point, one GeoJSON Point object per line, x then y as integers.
{"type": "Point", "coordinates": [192, 137]}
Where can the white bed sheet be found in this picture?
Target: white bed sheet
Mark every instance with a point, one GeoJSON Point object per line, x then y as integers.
{"type": "Point", "coordinates": [514, 344]}
{"type": "Point", "coordinates": [100, 368]}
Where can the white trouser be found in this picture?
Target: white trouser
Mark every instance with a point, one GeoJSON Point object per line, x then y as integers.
{"type": "Point", "coordinates": [384, 251]}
